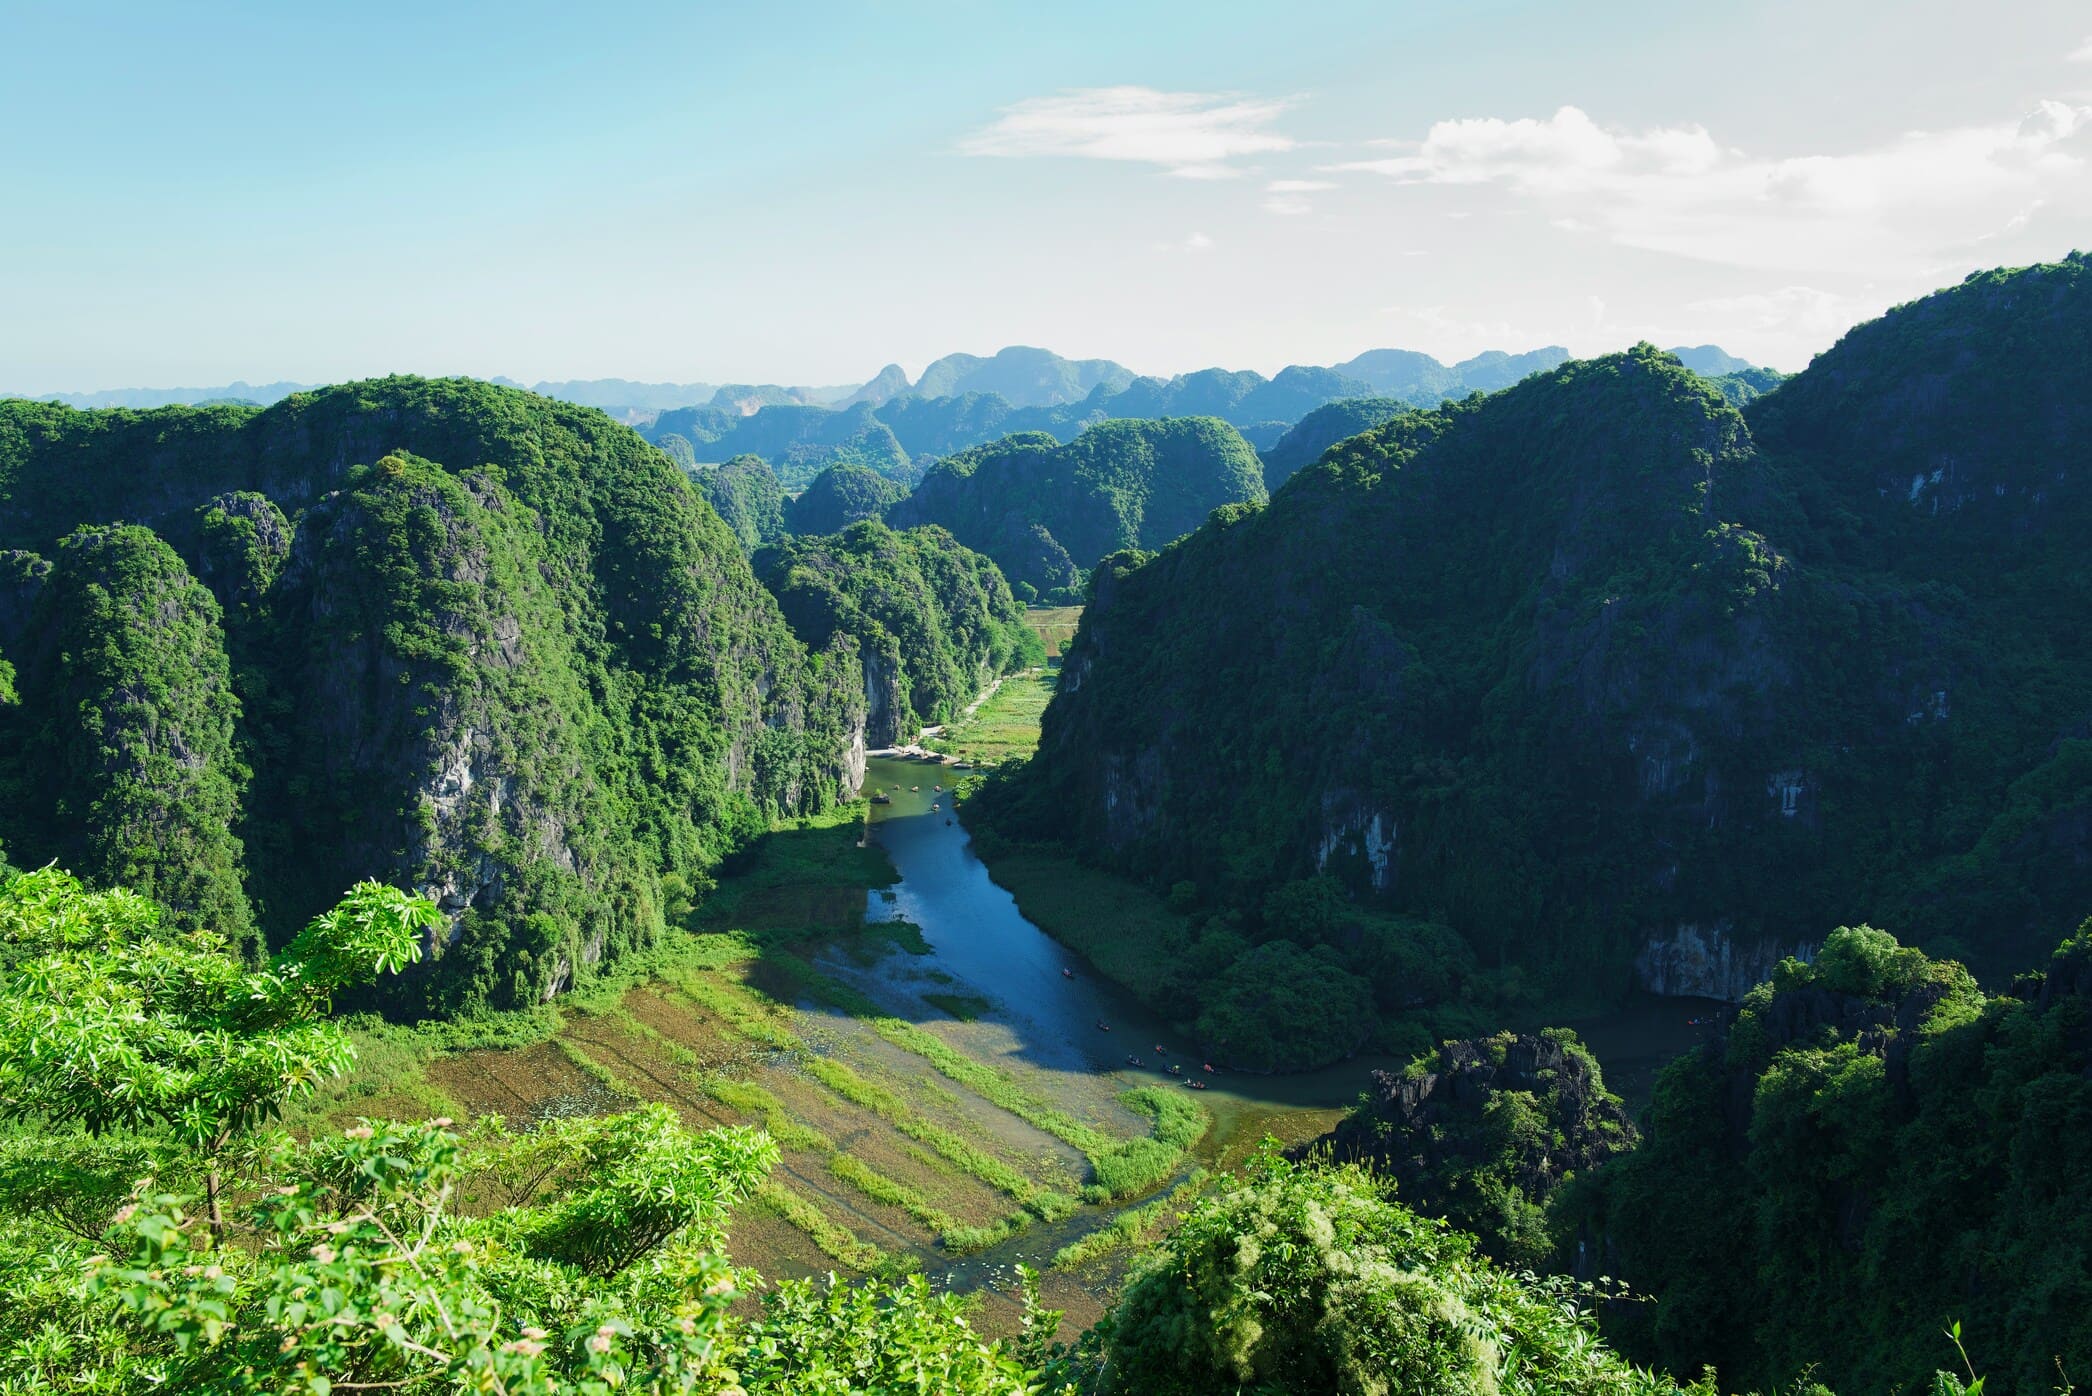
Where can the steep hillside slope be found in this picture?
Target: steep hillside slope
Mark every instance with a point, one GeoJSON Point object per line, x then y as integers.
{"type": "Point", "coordinates": [1582, 671]}
{"type": "Point", "coordinates": [747, 495]}
{"type": "Point", "coordinates": [839, 496]}
{"type": "Point", "coordinates": [934, 622]}
{"type": "Point", "coordinates": [124, 753]}
{"type": "Point", "coordinates": [509, 658]}
{"type": "Point", "coordinates": [1321, 429]}
{"type": "Point", "coordinates": [1045, 511]}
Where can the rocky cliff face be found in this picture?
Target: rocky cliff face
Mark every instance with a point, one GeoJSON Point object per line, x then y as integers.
{"type": "Point", "coordinates": [1706, 961]}
{"type": "Point", "coordinates": [243, 541]}
{"type": "Point", "coordinates": [884, 702]}
{"type": "Point", "coordinates": [460, 745]}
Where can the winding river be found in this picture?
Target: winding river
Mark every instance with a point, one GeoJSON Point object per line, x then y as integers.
{"type": "Point", "coordinates": [978, 938]}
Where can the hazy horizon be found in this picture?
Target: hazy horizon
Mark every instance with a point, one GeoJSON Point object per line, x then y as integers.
{"type": "Point", "coordinates": [680, 194]}
{"type": "Point", "coordinates": [914, 373]}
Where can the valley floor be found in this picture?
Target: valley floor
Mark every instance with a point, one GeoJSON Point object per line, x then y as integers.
{"type": "Point", "coordinates": [948, 1106]}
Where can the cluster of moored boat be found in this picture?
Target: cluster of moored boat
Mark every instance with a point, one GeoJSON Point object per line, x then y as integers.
{"type": "Point", "coordinates": [1161, 1057]}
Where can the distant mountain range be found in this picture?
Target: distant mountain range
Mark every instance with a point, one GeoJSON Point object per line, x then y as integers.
{"type": "Point", "coordinates": [1023, 377]}
{"type": "Point", "coordinates": [621, 397]}
{"type": "Point", "coordinates": [261, 395]}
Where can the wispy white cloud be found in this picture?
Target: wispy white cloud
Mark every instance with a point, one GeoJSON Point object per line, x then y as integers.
{"type": "Point", "coordinates": [1194, 135]}
{"type": "Point", "coordinates": [1904, 207]}
{"type": "Point", "coordinates": [1288, 197]}
{"type": "Point", "coordinates": [2082, 53]}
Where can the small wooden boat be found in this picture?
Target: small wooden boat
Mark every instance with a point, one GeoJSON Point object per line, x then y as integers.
{"type": "Point", "coordinates": [1196, 1085]}
{"type": "Point", "coordinates": [937, 787]}
{"type": "Point", "coordinates": [1103, 1026]}
{"type": "Point", "coordinates": [882, 799]}
{"type": "Point", "coordinates": [1067, 973]}
{"type": "Point", "coordinates": [1135, 1061]}
{"type": "Point", "coordinates": [1160, 1050]}
{"type": "Point", "coordinates": [1211, 1069]}
{"type": "Point", "coordinates": [1175, 1070]}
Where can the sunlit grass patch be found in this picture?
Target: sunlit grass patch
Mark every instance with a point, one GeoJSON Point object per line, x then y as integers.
{"type": "Point", "coordinates": [835, 1240]}
{"type": "Point", "coordinates": [1132, 1227]}
{"type": "Point", "coordinates": [1006, 725]}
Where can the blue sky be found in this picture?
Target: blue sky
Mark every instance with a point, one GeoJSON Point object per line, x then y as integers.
{"type": "Point", "coordinates": [800, 193]}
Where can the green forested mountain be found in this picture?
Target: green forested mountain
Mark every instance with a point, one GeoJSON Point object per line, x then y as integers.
{"type": "Point", "coordinates": [939, 426]}
{"type": "Point", "coordinates": [934, 622]}
{"type": "Point", "coordinates": [1618, 684]}
{"type": "Point", "coordinates": [1872, 1150]}
{"type": "Point", "coordinates": [1044, 511]}
{"type": "Point", "coordinates": [1238, 398]}
{"type": "Point", "coordinates": [509, 657]}
{"type": "Point", "coordinates": [841, 495]}
{"type": "Point", "coordinates": [1321, 429]}
{"type": "Point", "coordinates": [747, 495]}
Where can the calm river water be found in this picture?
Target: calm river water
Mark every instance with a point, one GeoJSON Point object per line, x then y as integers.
{"type": "Point", "coordinates": [978, 936]}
